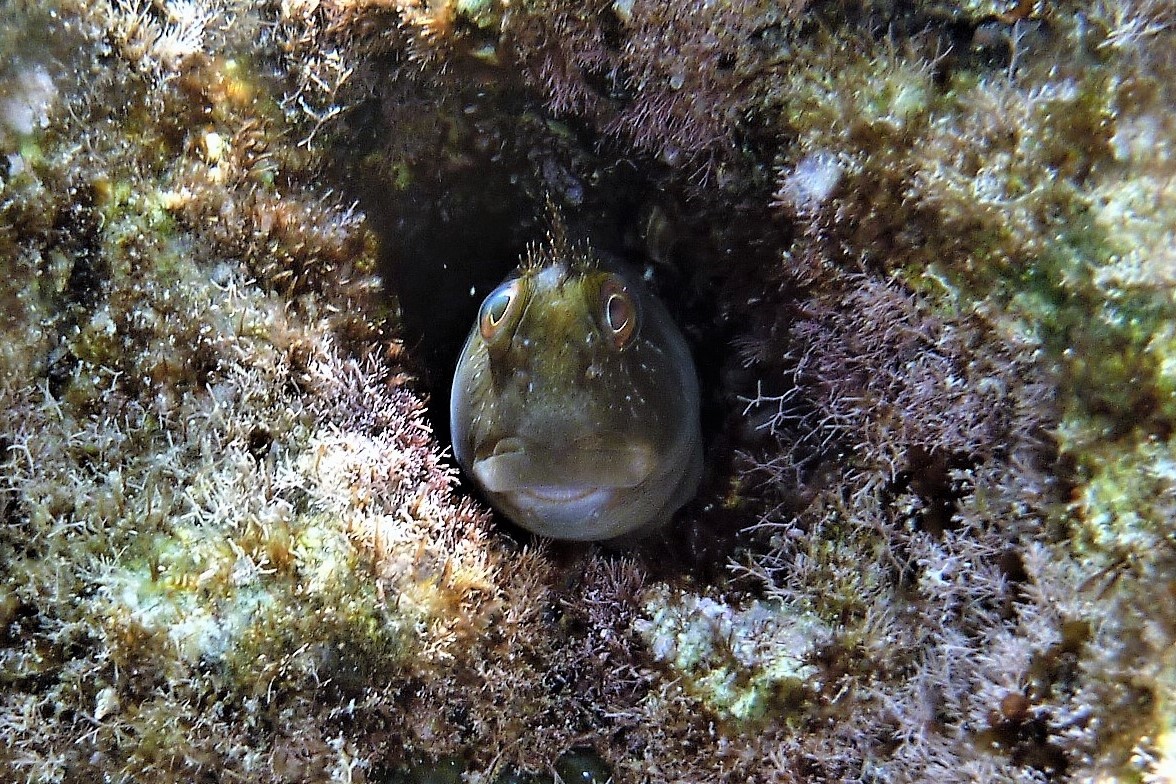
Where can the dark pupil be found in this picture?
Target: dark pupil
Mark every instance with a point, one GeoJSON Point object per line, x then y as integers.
{"type": "Point", "coordinates": [617, 312]}
{"type": "Point", "coordinates": [496, 308]}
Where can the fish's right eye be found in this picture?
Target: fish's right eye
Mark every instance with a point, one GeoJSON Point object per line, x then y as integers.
{"type": "Point", "coordinates": [499, 310]}
{"type": "Point", "coordinates": [618, 312]}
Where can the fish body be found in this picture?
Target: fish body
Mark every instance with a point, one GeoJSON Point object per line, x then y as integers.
{"type": "Point", "coordinates": [575, 403]}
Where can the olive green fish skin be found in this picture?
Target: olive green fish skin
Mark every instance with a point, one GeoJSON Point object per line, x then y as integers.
{"type": "Point", "coordinates": [571, 428]}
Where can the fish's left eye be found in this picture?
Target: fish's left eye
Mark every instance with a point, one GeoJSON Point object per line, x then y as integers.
{"type": "Point", "coordinates": [498, 311]}
{"type": "Point", "coordinates": [618, 312]}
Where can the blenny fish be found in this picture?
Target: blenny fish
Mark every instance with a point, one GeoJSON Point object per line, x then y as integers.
{"type": "Point", "coordinates": [575, 403]}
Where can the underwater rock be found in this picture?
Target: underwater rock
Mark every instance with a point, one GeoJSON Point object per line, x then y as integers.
{"type": "Point", "coordinates": [923, 252]}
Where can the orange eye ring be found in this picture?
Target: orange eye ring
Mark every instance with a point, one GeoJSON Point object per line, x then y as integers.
{"type": "Point", "coordinates": [618, 312]}
{"type": "Point", "coordinates": [498, 311]}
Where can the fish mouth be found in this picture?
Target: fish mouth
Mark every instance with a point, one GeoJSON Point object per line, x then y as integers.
{"type": "Point", "coordinates": [569, 475]}
{"type": "Point", "coordinates": [557, 494]}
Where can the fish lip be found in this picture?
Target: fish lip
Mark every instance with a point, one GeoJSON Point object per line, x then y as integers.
{"type": "Point", "coordinates": [547, 475]}
{"type": "Point", "coordinates": [558, 494]}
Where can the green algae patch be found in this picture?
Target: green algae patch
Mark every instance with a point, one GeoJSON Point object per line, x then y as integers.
{"type": "Point", "coordinates": [747, 665]}
{"type": "Point", "coordinates": [1124, 505]}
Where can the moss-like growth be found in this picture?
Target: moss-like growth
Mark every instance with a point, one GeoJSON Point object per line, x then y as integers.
{"type": "Point", "coordinates": [940, 490]}
{"type": "Point", "coordinates": [745, 665]}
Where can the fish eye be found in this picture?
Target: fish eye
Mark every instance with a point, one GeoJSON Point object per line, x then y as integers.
{"type": "Point", "coordinates": [618, 312]}
{"type": "Point", "coordinates": [498, 310]}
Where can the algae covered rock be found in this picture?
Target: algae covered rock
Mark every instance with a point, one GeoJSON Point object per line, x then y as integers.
{"type": "Point", "coordinates": [921, 255]}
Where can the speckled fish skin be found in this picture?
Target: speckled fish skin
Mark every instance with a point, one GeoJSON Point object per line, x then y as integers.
{"type": "Point", "coordinates": [567, 432]}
